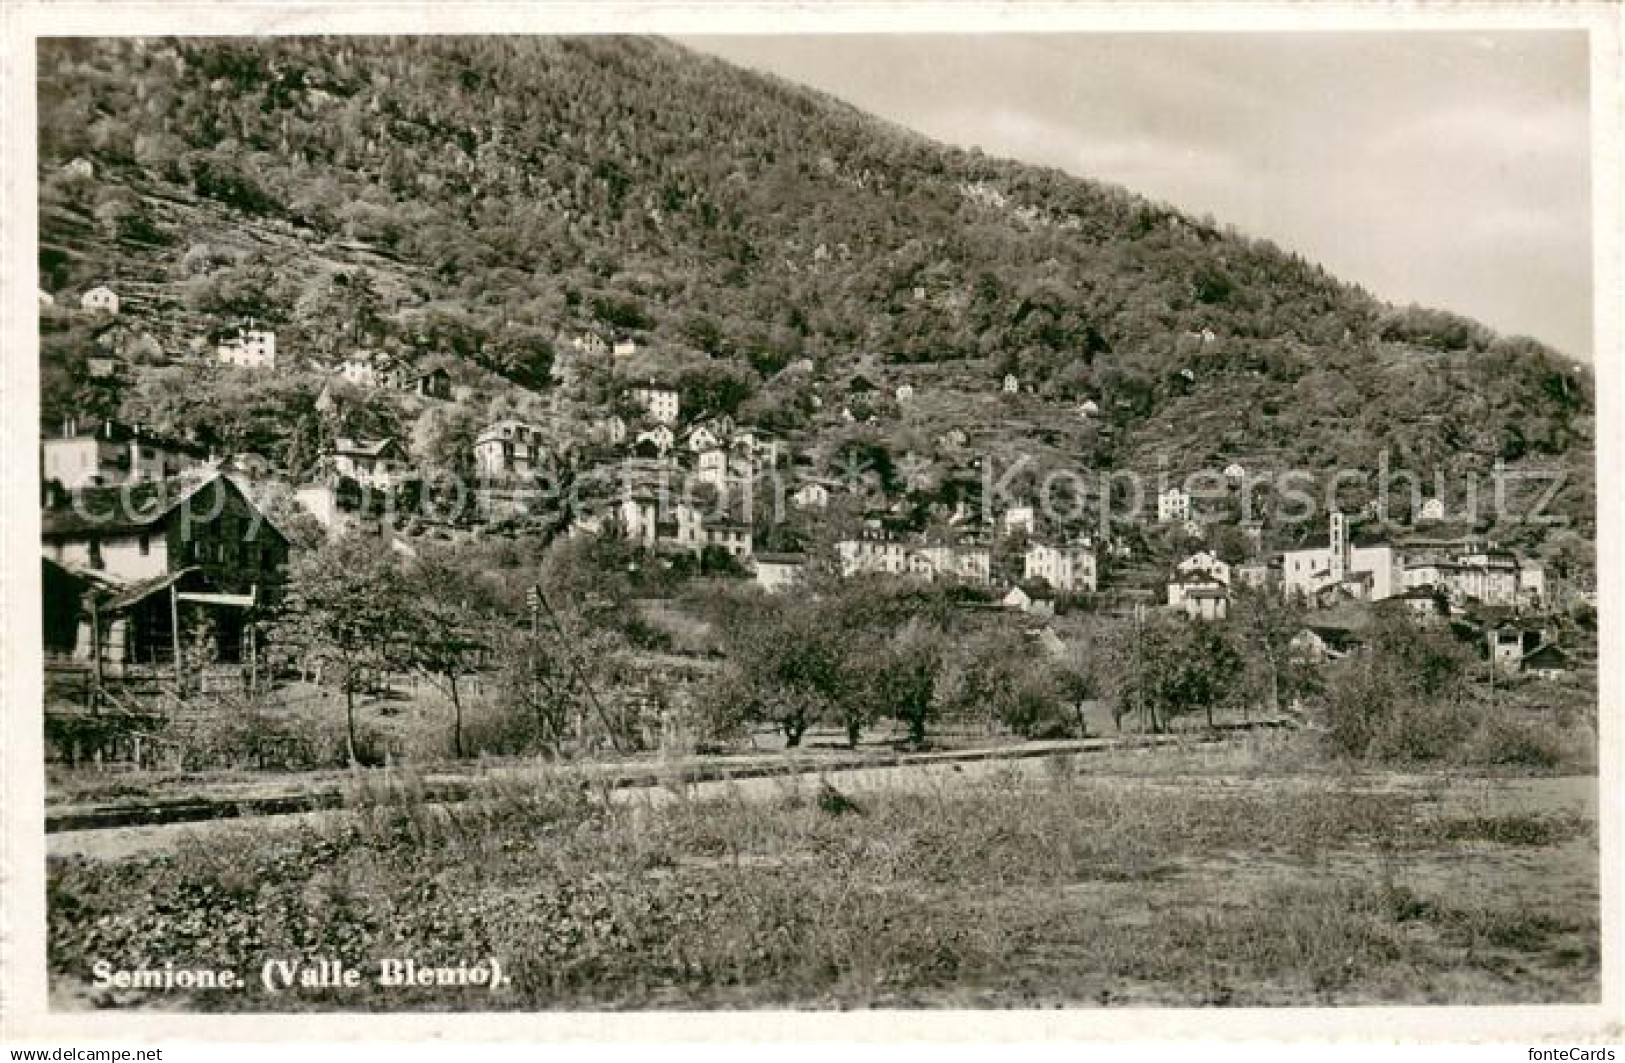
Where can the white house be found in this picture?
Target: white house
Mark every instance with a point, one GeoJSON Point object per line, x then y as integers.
{"type": "Point", "coordinates": [590, 343]}
{"type": "Point", "coordinates": [761, 449]}
{"type": "Point", "coordinates": [1234, 473]}
{"type": "Point", "coordinates": [321, 501]}
{"type": "Point", "coordinates": [660, 437]}
{"type": "Point", "coordinates": [730, 536]}
{"type": "Point", "coordinates": [813, 494]}
{"type": "Point", "coordinates": [640, 518]}
{"type": "Point", "coordinates": [248, 349]}
{"type": "Point", "coordinates": [1088, 408]}
{"type": "Point", "coordinates": [1489, 575]}
{"type": "Point", "coordinates": [100, 299]}
{"type": "Point", "coordinates": [1206, 602]}
{"type": "Point", "coordinates": [973, 564]}
{"type": "Point", "coordinates": [624, 347]}
{"type": "Point", "coordinates": [1506, 648]}
{"type": "Point", "coordinates": [85, 454]}
{"type": "Point", "coordinates": [1028, 601]}
{"type": "Point", "coordinates": [660, 403]}
{"type": "Point", "coordinates": [1531, 582]}
{"type": "Point", "coordinates": [905, 392]}
{"type": "Point", "coordinates": [378, 463]}
{"type": "Point", "coordinates": [509, 448]}
{"type": "Point", "coordinates": [1173, 504]}
{"type": "Point", "coordinates": [872, 554]}
{"type": "Point", "coordinates": [1432, 509]}
{"type": "Point", "coordinates": [702, 439]}
{"type": "Point", "coordinates": [1020, 518]}
{"type": "Point", "coordinates": [613, 429]}
{"type": "Point", "coordinates": [1319, 643]}
{"type": "Point", "coordinates": [1205, 561]}
{"type": "Point", "coordinates": [361, 369]}
{"type": "Point", "coordinates": [1012, 384]}
{"type": "Point", "coordinates": [712, 467]}
{"type": "Point", "coordinates": [779, 572]}
{"type": "Point", "coordinates": [1068, 569]}
{"type": "Point", "coordinates": [46, 299]}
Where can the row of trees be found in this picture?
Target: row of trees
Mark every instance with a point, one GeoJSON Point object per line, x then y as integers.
{"type": "Point", "coordinates": [848, 655]}
{"type": "Point", "coordinates": [852, 656]}
{"type": "Point", "coordinates": [855, 656]}
{"type": "Point", "coordinates": [354, 613]}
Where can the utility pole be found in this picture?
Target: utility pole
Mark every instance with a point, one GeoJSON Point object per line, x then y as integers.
{"type": "Point", "coordinates": [175, 635]}
{"type": "Point", "coordinates": [575, 666]}
{"type": "Point", "coordinates": [96, 654]}
{"type": "Point", "coordinates": [252, 639]}
{"type": "Point", "coordinates": [534, 604]}
{"type": "Point", "coordinates": [1139, 661]}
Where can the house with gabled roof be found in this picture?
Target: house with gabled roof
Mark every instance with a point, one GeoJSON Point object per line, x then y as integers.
{"type": "Point", "coordinates": [377, 463]}
{"type": "Point", "coordinates": [813, 493]}
{"type": "Point", "coordinates": [510, 448]}
{"type": "Point", "coordinates": [700, 438]}
{"type": "Point", "coordinates": [659, 439]}
{"type": "Point", "coordinates": [145, 553]}
{"type": "Point", "coordinates": [1546, 661]}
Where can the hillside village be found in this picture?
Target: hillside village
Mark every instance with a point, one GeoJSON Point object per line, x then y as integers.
{"type": "Point", "coordinates": [368, 406]}
{"type": "Point", "coordinates": [737, 501]}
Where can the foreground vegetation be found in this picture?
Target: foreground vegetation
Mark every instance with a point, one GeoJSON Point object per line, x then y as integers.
{"type": "Point", "coordinates": [1151, 878]}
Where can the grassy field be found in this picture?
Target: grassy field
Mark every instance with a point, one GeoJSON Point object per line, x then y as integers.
{"type": "Point", "coordinates": [1235, 875]}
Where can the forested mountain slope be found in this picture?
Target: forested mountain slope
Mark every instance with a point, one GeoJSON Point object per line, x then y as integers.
{"type": "Point", "coordinates": [482, 197]}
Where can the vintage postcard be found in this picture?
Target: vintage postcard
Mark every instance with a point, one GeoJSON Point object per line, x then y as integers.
{"type": "Point", "coordinates": [729, 523]}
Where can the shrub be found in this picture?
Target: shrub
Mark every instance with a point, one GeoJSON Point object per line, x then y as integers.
{"type": "Point", "coordinates": [1424, 731]}
{"type": "Point", "coordinates": [239, 732]}
{"type": "Point", "coordinates": [1518, 744]}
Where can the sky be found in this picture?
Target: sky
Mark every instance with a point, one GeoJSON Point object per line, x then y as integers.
{"type": "Point", "coordinates": [1447, 169]}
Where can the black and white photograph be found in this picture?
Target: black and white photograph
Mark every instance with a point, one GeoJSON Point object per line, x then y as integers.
{"type": "Point", "coordinates": [883, 521]}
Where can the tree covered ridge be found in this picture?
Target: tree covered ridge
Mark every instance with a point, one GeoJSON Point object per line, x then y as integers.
{"type": "Point", "coordinates": [487, 194]}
